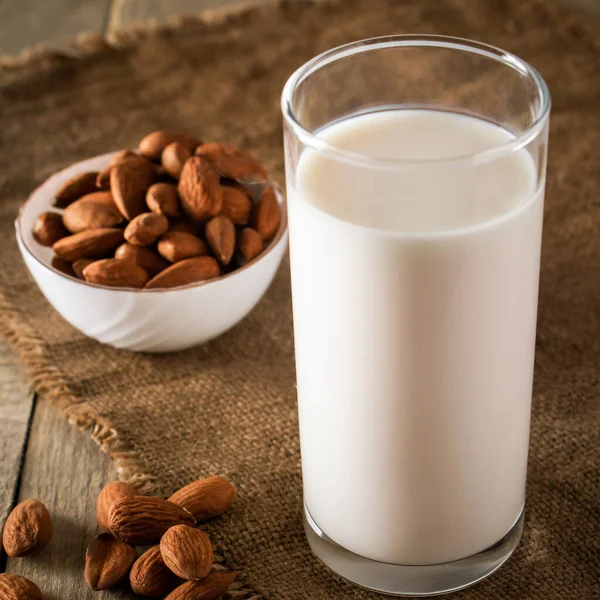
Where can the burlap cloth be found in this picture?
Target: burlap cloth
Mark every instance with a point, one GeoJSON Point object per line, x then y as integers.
{"type": "Point", "coordinates": [229, 407]}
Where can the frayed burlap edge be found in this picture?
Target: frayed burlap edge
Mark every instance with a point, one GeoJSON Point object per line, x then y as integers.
{"type": "Point", "coordinates": [44, 376]}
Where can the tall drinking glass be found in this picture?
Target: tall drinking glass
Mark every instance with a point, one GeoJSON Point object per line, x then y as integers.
{"type": "Point", "coordinates": [415, 175]}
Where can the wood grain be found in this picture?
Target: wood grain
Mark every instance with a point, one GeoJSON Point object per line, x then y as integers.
{"type": "Point", "coordinates": [65, 470]}
{"type": "Point", "coordinates": [24, 23]}
{"type": "Point", "coordinates": [16, 402]}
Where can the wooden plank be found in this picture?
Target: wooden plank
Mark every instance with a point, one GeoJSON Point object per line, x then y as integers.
{"type": "Point", "coordinates": [16, 403]}
{"type": "Point", "coordinates": [127, 12]}
{"type": "Point", "coordinates": [65, 470]}
{"type": "Point", "coordinates": [24, 23]}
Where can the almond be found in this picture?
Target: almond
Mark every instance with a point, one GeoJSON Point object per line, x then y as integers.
{"type": "Point", "coordinates": [220, 235]}
{"type": "Point", "coordinates": [173, 158]}
{"type": "Point", "coordinates": [177, 245]}
{"type": "Point", "coordinates": [190, 270]}
{"type": "Point", "coordinates": [77, 186]}
{"type": "Point", "coordinates": [161, 198]}
{"type": "Point", "coordinates": [200, 189]}
{"type": "Point", "coordinates": [49, 228]}
{"type": "Point", "coordinates": [236, 205]}
{"type": "Point", "coordinates": [154, 143]}
{"type": "Point", "coordinates": [249, 245]}
{"type": "Point", "coordinates": [93, 243]}
{"type": "Point", "coordinates": [63, 266]}
{"type": "Point", "coordinates": [187, 552]}
{"type": "Point", "coordinates": [266, 214]}
{"type": "Point", "coordinates": [129, 181]}
{"type": "Point", "coordinates": [205, 498]}
{"type": "Point", "coordinates": [142, 256]}
{"type": "Point", "coordinates": [28, 529]}
{"type": "Point", "coordinates": [110, 494]}
{"type": "Point", "coordinates": [146, 228]}
{"type": "Point", "coordinates": [143, 520]}
{"type": "Point", "coordinates": [150, 576]}
{"type": "Point", "coordinates": [15, 587]}
{"type": "Point", "coordinates": [113, 272]}
{"type": "Point", "coordinates": [210, 588]}
{"type": "Point", "coordinates": [92, 211]}
{"type": "Point", "coordinates": [103, 179]}
{"type": "Point", "coordinates": [233, 162]}
{"type": "Point", "coordinates": [107, 561]}
{"type": "Point", "coordinates": [79, 265]}
{"type": "Point", "coordinates": [184, 226]}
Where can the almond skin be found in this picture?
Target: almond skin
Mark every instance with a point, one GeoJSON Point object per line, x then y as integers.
{"type": "Point", "coordinates": [154, 143]}
{"type": "Point", "coordinates": [79, 265]}
{"type": "Point", "coordinates": [110, 494]}
{"type": "Point", "coordinates": [15, 587]}
{"type": "Point", "coordinates": [220, 235]}
{"type": "Point", "coordinates": [176, 246]}
{"type": "Point", "coordinates": [77, 186]}
{"type": "Point", "coordinates": [49, 228]}
{"type": "Point", "coordinates": [28, 529]}
{"type": "Point", "coordinates": [144, 257]}
{"type": "Point", "coordinates": [146, 228]}
{"type": "Point", "coordinates": [187, 552]}
{"type": "Point", "coordinates": [162, 199]}
{"type": "Point", "coordinates": [93, 243]}
{"type": "Point", "coordinates": [150, 576]}
{"type": "Point", "coordinates": [190, 270]}
{"type": "Point", "coordinates": [92, 211]}
{"type": "Point", "coordinates": [173, 158]}
{"type": "Point", "coordinates": [200, 189]}
{"type": "Point", "coordinates": [249, 245]}
{"type": "Point", "coordinates": [63, 266]}
{"type": "Point", "coordinates": [129, 181]}
{"type": "Point", "coordinates": [266, 215]}
{"type": "Point", "coordinates": [205, 498]}
{"type": "Point", "coordinates": [210, 588]}
{"type": "Point", "coordinates": [236, 205]}
{"type": "Point", "coordinates": [144, 519]}
{"type": "Point", "coordinates": [113, 272]}
{"type": "Point", "coordinates": [233, 162]}
{"type": "Point", "coordinates": [107, 561]}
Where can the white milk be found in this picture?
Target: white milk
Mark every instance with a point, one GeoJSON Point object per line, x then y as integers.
{"type": "Point", "coordinates": [415, 295]}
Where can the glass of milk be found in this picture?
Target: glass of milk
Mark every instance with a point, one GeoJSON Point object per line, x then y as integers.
{"type": "Point", "coordinates": [415, 176]}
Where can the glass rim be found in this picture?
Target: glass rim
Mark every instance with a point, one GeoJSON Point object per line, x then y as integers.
{"type": "Point", "coordinates": [309, 139]}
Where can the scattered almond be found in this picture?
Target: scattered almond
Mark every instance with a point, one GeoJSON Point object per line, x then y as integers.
{"type": "Point", "coordinates": [205, 498]}
{"type": "Point", "coordinates": [177, 245]}
{"type": "Point", "coordinates": [92, 211]}
{"type": "Point", "coordinates": [266, 215]}
{"type": "Point", "coordinates": [28, 529]}
{"type": "Point", "coordinates": [154, 143]}
{"type": "Point", "coordinates": [146, 228]}
{"type": "Point", "coordinates": [150, 576]}
{"type": "Point", "coordinates": [200, 189]}
{"type": "Point", "coordinates": [113, 272]}
{"type": "Point", "coordinates": [77, 186]}
{"type": "Point", "coordinates": [110, 494]}
{"type": "Point", "coordinates": [187, 552]}
{"type": "Point", "coordinates": [161, 198]}
{"type": "Point", "coordinates": [49, 228]}
{"type": "Point", "coordinates": [15, 587]}
{"type": "Point", "coordinates": [236, 205]}
{"type": "Point", "coordinates": [220, 235]}
{"type": "Point", "coordinates": [143, 520]}
{"type": "Point", "coordinates": [144, 257]}
{"type": "Point", "coordinates": [107, 561]}
{"type": "Point", "coordinates": [129, 181]}
{"type": "Point", "coordinates": [93, 243]}
{"type": "Point", "coordinates": [210, 588]}
{"type": "Point", "coordinates": [249, 245]}
{"type": "Point", "coordinates": [174, 157]}
{"type": "Point", "coordinates": [190, 270]}
{"type": "Point", "coordinates": [233, 162]}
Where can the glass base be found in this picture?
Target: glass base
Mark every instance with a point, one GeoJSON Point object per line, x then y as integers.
{"type": "Point", "coordinates": [402, 580]}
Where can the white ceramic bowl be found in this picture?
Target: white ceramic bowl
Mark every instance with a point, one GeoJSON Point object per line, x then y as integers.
{"type": "Point", "coordinates": [144, 320]}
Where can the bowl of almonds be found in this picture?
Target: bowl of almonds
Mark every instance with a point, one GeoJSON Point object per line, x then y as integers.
{"type": "Point", "coordinates": [159, 248]}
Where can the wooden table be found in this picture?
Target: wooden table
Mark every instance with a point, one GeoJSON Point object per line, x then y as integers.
{"type": "Point", "coordinates": [41, 455]}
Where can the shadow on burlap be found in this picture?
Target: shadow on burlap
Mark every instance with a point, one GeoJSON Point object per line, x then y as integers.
{"type": "Point", "coordinates": [229, 407]}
